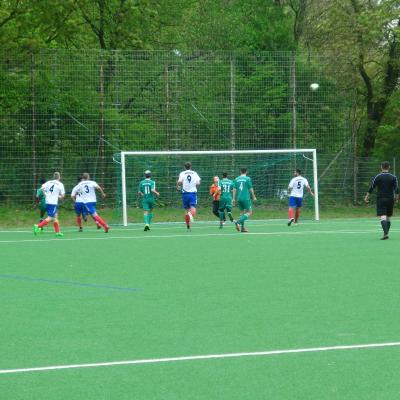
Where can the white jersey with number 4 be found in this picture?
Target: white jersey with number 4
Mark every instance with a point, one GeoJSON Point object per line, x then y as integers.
{"type": "Point", "coordinates": [189, 180]}
{"type": "Point", "coordinates": [52, 191]}
{"type": "Point", "coordinates": [297, 185]}
{"type": "Point", "coordinates": [87, 190]}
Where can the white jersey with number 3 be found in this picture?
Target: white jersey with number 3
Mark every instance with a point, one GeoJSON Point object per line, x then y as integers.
{"type": "Point", "coordinates": [297, 185]}
{"type": "Point", "coordinates": [52, 191]}
{"type": "Point", "coordinates": [189, 180]}
{"type": "Point", "coordinates": [87, 190]}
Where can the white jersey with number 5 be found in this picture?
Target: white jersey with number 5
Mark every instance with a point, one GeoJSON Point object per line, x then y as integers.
{"type": "Point", "coordinates": [297, 185]}
{"type": "Point", "coordinates": [52, 191]}
{"type": "Point", "coordinates": [189, 180]}
{"type": "Point", "coordinates": [87, 190]}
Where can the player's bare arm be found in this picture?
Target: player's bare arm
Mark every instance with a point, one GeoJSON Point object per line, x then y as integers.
{"type": "Point", "coordinates": [103, 195]}
{"type": "Point", "coordinates": [253, 195]}
{"type": "Point", "coordinates": [178, 185]}
{"type": "Point", "coordinates": [366, 198]}
{"type": "Point", "coordinates": [310, 191]}
{"type": "Point", "coordinates": [233, 196]}
{"type": "Point", "coordinates": [155, 192]}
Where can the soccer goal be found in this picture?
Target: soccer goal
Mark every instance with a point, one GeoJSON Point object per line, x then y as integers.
{"type": "Point", "coordinates": [270, 170]}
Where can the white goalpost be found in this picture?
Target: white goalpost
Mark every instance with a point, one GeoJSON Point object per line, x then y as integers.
{"type": "Point", "coordinates": [312, 156]}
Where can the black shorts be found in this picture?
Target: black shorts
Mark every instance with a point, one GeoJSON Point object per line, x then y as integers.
{"type": "Point", "coordinates": [384, 207]}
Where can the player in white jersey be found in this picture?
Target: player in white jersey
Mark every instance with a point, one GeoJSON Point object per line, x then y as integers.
{"type": "Point", "coordinates": [79, 206]}
{"type": "Point", "coordinates": [187, 183]}
{"type": "Point", "coordinates": [53, 191]}
{"type": "Point", "coordinates": [87, 190]}
{"type": "Point", "coordinates": [296, 192]}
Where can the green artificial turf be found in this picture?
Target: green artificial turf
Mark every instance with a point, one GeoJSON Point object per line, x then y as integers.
{"type": "Point", "coordinates": [90, 297]}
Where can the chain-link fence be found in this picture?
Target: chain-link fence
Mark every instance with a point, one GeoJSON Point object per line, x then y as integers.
{"type": "Point", "coordinates": [72, 110]}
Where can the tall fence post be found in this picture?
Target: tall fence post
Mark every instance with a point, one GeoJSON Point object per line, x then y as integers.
{"type": "Point", "coordinates": [33, 135]}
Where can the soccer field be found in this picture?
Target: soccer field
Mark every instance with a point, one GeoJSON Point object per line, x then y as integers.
{"type": "Point", "coordinates": [140, 301]}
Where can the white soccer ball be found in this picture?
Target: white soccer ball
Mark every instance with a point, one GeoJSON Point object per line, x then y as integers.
{"type": "Point", "coordinates": [314, 87]}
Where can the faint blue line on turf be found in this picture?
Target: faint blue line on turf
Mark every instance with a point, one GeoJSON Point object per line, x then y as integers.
{"type": "Point", "coordinates": [72, 283]}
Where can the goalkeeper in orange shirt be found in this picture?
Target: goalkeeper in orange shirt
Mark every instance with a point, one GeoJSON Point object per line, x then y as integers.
{"type": "Point", "coordinates": [215, 193]}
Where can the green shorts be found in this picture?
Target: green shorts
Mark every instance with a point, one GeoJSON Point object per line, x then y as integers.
{"type": "Point", "coordinates": [244, 205]}
{"type": "Point", "coordinates": [225, 204]}
{"type": "Point", "coordinates": [148, 205]}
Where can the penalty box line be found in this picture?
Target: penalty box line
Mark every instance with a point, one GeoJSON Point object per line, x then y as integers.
{"type": "Point", "coordinates": [202, 357]}
{"type": "Point", "coordinates": [191, 235]}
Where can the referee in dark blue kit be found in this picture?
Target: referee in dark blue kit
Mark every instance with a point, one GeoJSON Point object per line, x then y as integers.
{"type": "Point", "coordinates": [388, 192]}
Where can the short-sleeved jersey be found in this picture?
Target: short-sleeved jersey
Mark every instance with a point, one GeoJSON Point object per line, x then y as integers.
{"type": "Point", "coordinates": [226, 186]}
{"type": "Point", "coordinates": [87, 190]}
{"type": "Point", "coordinates": [41, 197]}
{"type": "Point", "coordinates": [297, 185]}
{"type": "Point", "coordinates": [243, 184]}
{"type": "Point", "coordinates": [189, 180]}
{"type": "Point", "coordinates": [145, 187]}
{"type": "Point", "coordinates": [386, 184]}
{"type": "Point", "coordinates": [52, 190]}
{"type": "Point", "coordinates": [77, 192]}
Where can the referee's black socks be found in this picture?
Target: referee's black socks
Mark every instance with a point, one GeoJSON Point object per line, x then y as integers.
{"type": "Point", "coordinates": [388, 224]}
{"type": "Point", "coordinates": [385, 226]}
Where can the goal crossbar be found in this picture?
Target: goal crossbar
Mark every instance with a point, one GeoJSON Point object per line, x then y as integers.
{"type": "Point", "coordinates": [124, 154]}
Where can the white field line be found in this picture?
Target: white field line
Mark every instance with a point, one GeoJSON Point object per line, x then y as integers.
{"type": "Point", "coordinates": [202, 357]}
{"type": "Point", "coordinates": [138, 226]}
{"type": "Point", "coordinates": [191, 235]}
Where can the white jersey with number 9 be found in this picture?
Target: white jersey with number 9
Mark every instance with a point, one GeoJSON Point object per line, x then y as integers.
{"type": "Point", "coordinates": [189, 181]}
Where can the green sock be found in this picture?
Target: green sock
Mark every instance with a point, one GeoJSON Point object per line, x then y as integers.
{"type": "Point", "coordinates": [242, 219]}
{"type": "Point", "coordinates": [146, 219]}
{"type": "Point", "coordinates": [221, 216]}
{"type": "Point", "coordinates": [150, 217]}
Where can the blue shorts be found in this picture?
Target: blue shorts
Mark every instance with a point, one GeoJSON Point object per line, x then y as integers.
{"type": "Point", "coordinates": [80, 209]}
{"type": "Point", "coordinates": [51, 210]}
{"type": "Point", "coordinates": [90, 208]}
{"type": "Point", "coordinates": [295, 202]}
{"type": "Point", "coordinates": [189, 200]}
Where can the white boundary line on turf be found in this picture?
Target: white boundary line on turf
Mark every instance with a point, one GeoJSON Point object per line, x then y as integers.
{"type": "Point", "coordinates": [205, 224]}
{"type": "Point", "coordinates": [202, 357]}
{"type": "Point", "coordinates": [191, 235]}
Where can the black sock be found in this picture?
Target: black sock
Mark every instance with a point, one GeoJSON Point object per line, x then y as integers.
{"type": "Point", "coordinates": [389, 223]}
{"type": "Point", "coordinates": [385, 227]}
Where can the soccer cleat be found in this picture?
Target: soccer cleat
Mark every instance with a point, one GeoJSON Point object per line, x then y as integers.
{"type": "Point", "coordinates": [41, 230]}
{"type": "Point", "coordinates": [291, 220]}
{"type": "Point", "coordinates": [146, 227]}
{"type": "Point", "coordinates": [244, 230]}
{"type": "Point", "coordinates": [59, 234]}
{"type": "Point", "coordinates": [188, 228]}
{"type": "Point", "coordinates": [35, 229]}
{"type": "Point", "coordinates": [237, 225]}
{"type": "Point", "coordinates": [385, 237]}
{"type": "Point", "coordinates": [221, 225]}
{"type": "Point", "coordinates": [106, 229]}
{"type": "Point", "coordinates": [80, 229]}
{"type": "Point", "coordinates": [98, 226]}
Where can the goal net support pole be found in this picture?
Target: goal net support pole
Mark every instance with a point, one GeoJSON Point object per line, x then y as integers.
{"type": "Point", "coordinates": [124, 154]}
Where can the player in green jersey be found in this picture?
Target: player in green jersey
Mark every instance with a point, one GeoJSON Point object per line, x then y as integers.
{"type": "Point", "coordinates": [241, 192]}
{"type": "Point", "coordinates": [225, 201]}
{"type": "Point", "coordinates": [41, 200]}
{"type": "Point", "coordinates": [147, 190]}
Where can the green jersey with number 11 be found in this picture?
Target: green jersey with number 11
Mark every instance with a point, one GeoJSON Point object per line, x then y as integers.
{"type": "Point", "coordinates": [145, 187]}
{"type": "Point", "coordinates": [243, 184]}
